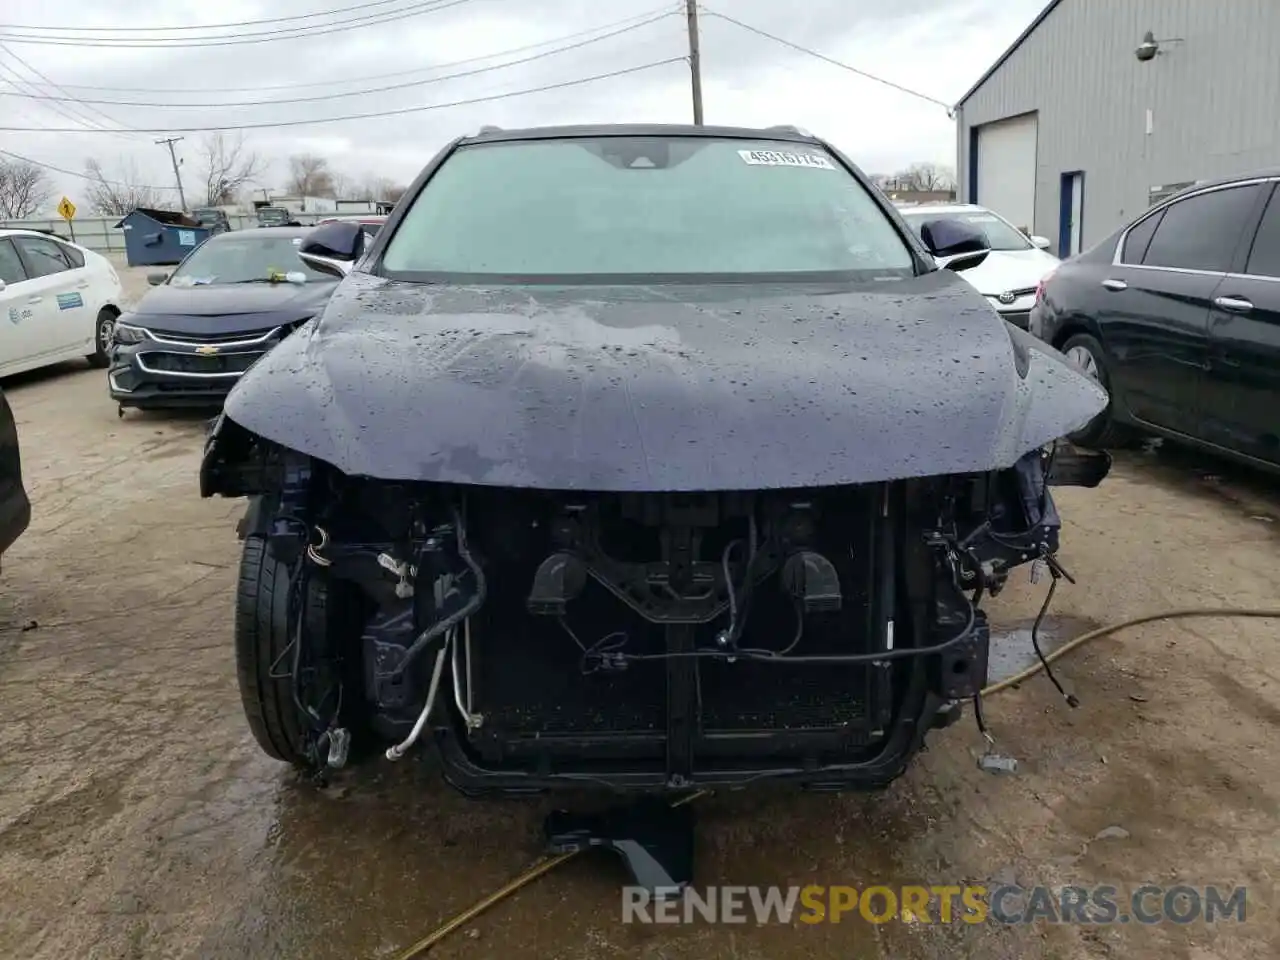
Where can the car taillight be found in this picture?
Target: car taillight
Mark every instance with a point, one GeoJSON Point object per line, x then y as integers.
{"type": "Point", "coordinates": [1040, 286]}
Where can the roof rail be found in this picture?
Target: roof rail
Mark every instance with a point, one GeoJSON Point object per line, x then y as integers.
{"type": "Point", "coordinates": [790, 128]}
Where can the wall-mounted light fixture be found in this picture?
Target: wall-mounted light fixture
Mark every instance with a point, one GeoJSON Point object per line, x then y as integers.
{"type": "Point", "coordinates": [1149, 49]}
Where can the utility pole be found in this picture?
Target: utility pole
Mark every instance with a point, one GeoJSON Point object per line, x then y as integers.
{"type": "Point", "coordinates": [695, 59]}
{"type": "Point", "coordinates": [182, 199]}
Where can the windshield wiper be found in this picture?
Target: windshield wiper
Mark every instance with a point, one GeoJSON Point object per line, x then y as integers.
{"type": "Point", "coordinates": [261, 280]}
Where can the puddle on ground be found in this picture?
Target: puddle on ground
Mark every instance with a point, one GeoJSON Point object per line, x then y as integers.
{"type": "Point", "coordinates": [1011, 648]}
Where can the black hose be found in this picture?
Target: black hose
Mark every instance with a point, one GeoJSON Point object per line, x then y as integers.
{"type": "Point", "coordinates": [440, 627]}
{"type": "Point", "coordinates": [1035, 640]}
{"type": "Point", "coordinates": [900, 653]}
{"type": "Point", "coordinates": [751, 653]}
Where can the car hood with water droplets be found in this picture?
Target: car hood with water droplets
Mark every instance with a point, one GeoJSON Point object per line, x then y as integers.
{"type": "Point", "coordinates": [667, 387]}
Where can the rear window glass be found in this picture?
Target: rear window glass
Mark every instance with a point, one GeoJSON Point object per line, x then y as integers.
{"type": "Point", "coordinates": [1136, 241]}
{"type": "Point", "coordinates": [637, 206]}
{"type": "Point", "coordinates": [74, 256]}
{"type": "Point", "coordinates": [1202, 232]}
{"type": "Point", "coordinates": [1264, 259]}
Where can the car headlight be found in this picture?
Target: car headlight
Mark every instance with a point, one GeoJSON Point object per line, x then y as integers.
{"type": "Point", "coordinates": [289, 328]}
{"type": "Point", "coordinates": [126, 333]}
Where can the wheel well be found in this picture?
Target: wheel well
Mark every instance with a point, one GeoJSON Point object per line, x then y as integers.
{"type": "Point", "coordinates": [112, 309]}
{"type": "Point", "coordinates": [1069, 330]}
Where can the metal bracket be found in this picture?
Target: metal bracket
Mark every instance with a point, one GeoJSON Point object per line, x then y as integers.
{"type": "Point", "coordinates": [654, 840]}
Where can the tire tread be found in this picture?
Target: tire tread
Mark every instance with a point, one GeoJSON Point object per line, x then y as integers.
{"type": "Point", "coordinates": [261, 636]}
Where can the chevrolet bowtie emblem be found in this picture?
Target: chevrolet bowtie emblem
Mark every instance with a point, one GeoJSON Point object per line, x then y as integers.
{"type": "Point", "coordinates": [207, 351]}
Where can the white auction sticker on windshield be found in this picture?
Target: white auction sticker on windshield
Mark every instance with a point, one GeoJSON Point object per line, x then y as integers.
{"type": "Point", "coordinates": [780, 158]}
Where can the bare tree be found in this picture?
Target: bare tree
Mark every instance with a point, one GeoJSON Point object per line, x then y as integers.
{"type": "Point", "coordinates": [381, 188]}
{"type": "Point", "coordinates": [24, 188]}
{"type": "Point", "coordinates": [926, 177]}
{"type": "Point", "coordinates": [344, 186]}
{"type": "Point", "coordinates": [227, 167]}
{"type": "Point", "coordinates": [310, 176]}
{"type": "Point", "coordinates": [121, 192]}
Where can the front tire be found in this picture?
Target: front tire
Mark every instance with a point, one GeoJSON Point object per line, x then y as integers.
{"type": "Point", "coordinates": [262, 637]}
{"type": "Point", "coordinates": [104, 333]}
{"type": "Point", "coordinates": [1102, 431]}
{"type": "Point", "coordinates": [332, 617]}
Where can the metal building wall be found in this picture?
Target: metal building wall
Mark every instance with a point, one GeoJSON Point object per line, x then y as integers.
{"type": "Point", "coordinates": [1214, 101]}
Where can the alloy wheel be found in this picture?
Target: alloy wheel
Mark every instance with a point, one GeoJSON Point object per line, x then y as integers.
{"type": "Point", "coordinates": [106, 332]}
{"type": "Point", "coordinates": [1083, 358]}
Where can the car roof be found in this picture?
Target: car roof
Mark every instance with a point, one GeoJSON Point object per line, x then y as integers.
{"type": "Point", "coordinates": [905, 208]}
{"type": "Point", "coordinates": [262, 232]}
{"type": "Point", "coordinates": [27, 232]}
{"type": "Point", "coordinates": [783, 134]}
{"type": "Point", "coordinates": [1267, 173]}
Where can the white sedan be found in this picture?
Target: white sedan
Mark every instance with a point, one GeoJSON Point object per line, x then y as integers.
{"type": "Point", "coordinates": [1017, 263]}
{"type": "Point", "coordinates": [58, 301]}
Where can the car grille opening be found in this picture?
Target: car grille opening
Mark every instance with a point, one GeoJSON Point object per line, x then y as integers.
{"type": "Point", "coordinates": [540, 706]}
{"type": "Point", "coordinates": [193, 363]}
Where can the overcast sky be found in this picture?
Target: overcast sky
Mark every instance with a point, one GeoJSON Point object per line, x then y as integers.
{"type": "Point", "coordinates": [937, 47]}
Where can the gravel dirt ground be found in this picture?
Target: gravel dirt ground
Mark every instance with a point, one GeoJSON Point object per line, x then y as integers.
{"type": "Point", "coordinates": [138, 819]}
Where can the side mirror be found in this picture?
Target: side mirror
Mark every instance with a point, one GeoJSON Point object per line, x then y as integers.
{"type": "Point", "coordinates": [2, 286]}
{"type": "Point", "coordinates": [965, 261]}
{"type": "Point", "coordinates": [946, 237]}
{"type": "Point", "coordinates": [1039, 242]}
{"type": "Point", "coordinates": [954, 244]}
{"type": "Point", "coordinates": [333, 248]}
{"type": "Point", "coordinates": [156, 279]}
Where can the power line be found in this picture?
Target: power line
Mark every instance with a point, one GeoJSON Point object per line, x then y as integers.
{"type": "Point", "coordinates": [363, 116]}
{"type": "Point", "coordinates": [82, 176]}
{"type": "Point", "coordinates": [56, 108]}
{"type": "Point", "coordinates": [353, 93]}
{"type": "Point", "coordinates": [88, 111]}
{"type": "Point", "coordinates": [835, 63]}
{"type": "Point", "coordinates": [226, 40]}
{"type": "Point", "coordinates": [65, 113]}
{"type": "Point", "coordinates": [202, 26]}
{"type": "Point", "coordinates": [669, 8]}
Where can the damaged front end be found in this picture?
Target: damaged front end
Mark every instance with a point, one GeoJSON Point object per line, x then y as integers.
{"type": "Point", "coordinates": [638, 640]}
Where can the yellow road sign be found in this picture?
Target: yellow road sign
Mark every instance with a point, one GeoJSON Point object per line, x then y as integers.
{"type": "Point", "coordinates": [66, 209]}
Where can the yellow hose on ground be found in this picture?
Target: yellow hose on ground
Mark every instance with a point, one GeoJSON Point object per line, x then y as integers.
{"type": "Point", "coordinates": [1084, 638]}
{"type": "Point", "coordinates": [547, 864]}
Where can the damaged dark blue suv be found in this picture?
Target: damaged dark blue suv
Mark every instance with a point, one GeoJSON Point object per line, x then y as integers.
{"type": "Point", "coordinates": [640, 456]}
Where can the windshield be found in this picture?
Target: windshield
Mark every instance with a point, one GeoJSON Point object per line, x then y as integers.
{"type": "Point", "coordinates": [644, 206]}
{"type": "Point", "coordinates": [1000, 235]}
{"type": "Point", "coordinates": [242, 257]}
